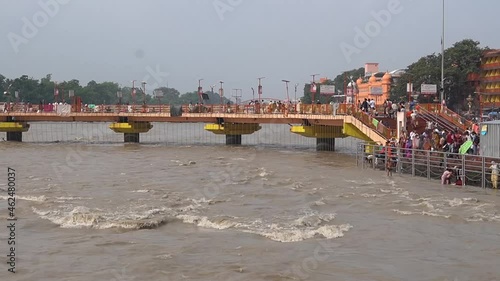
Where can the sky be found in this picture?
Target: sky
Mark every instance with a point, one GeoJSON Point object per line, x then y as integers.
{"type": "Point", "coordinates": [175, 43]}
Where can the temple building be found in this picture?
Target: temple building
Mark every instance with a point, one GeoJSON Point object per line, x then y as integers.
{"type": "Point", "coordinates": [490, 81]}
{"type": "Point", "coordinates": [375, 85]}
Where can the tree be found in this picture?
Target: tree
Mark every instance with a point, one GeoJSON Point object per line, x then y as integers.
{"type": "Point", "coordinates": [461, 59]}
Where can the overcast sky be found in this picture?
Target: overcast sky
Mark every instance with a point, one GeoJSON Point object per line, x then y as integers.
{"type": "Point", "coordinates": [180, 41]}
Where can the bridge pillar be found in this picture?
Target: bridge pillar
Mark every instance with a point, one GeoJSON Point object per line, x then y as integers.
{"type": "Point", "coordinates": [15, 136]}
{"type": "Point", "coordinates": [325, 144]}
{"type": "Point", "coordinates": [233, 139]}
{"type": "Point", "coordinates": [232, 131]}
{"type": "Point", "coordinates": [131, 130]}
{"type": "Point", "coordinates": [131, 137]}
{"type": "Point", "coordinates": [14, 129]}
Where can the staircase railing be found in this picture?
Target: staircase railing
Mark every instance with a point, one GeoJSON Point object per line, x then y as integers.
{"type": "Point", "coordinates": [452, 117]}
{"type": "Point", "coordinates": [434, 117]}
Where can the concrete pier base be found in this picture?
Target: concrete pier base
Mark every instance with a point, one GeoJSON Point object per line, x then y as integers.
{"type": "Point", "coordinates": [131, 137]}
{"type": "Point", "coordinates": [325, 144]}
{"type": "Point", "coordinates": [233, 139]}
{"type": "Point", "coordinates": [15, 136]}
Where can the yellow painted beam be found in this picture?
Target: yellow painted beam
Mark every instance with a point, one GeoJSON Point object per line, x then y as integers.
{"type": "Point", "coordinates": [131, 127]}
{"type": "Point", "coordinates": [14, 127]}
{"type": "Point", "coordinates": [232, 128]}
{"type": "Point", "coordinates": [316, 131]}
{"type": "Point", "coordinates": [353, 131]}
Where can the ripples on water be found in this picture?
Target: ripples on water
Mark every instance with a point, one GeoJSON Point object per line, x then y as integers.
{"type": "Point", "coordinates": [190, 212]}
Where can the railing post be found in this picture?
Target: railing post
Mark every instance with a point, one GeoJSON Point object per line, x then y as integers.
{"type": "Point", "coordinates": [413, 162]}
{"type": "Point", "coordinates": [398, 159]}
{"type": "Point", "coordinates": [428, 164]}
{"type": "Point", "coordinates": [357, 156]}
{"type": "Point", "coordinates": [483, 172]}
{"type": "Point", "coordinates": [445, 160]}
{"type": "Point", "coordinates": [374, 156]}
{"type": "Point", "coordinates": [462, 176]}
{"type": "Point", "coordinates": [363, 147]}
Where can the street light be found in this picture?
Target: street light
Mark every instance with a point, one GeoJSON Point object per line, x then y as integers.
{"type": "Point", "coordinates": [200, 92]}
{"type": "Point", "coordinates": [296, 85]}
{"type": "Point", "coordinates": [159, 95]}
{"type": "Point", "coordinates": [313, 88]}
{"type": "Point", "coordinates": [286, 86]}
{"type": "Point", "coordinates": [442, 59]}
{"type": "Point", "coordinates": [119, 95]}
{"type": "Point", "coordinates": [144, 93]}
{"type": "Point", "coordinates": [259, 89]}
{"type": "Point", "coordinates": [253, 94]}
{"type": "Point", "coordinates": [221, 91]}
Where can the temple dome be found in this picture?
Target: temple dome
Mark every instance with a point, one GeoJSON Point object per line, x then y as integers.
{"type": "Point", "coordinates": [387, 78]}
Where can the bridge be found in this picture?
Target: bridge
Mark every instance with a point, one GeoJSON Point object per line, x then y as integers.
{"type": "Point", "coordinates": [324, 122]}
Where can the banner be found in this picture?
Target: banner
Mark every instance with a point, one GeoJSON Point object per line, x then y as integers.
{"type": "Point", "coordinates": [327, 89]}
{"type": "Point", "coordinates": [376, 91]}
{"type": "Point", "coordinates": [428, 89]}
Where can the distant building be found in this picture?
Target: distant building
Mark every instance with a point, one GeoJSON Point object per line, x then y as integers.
{"type": "Point", "coordinates": [375, 85]}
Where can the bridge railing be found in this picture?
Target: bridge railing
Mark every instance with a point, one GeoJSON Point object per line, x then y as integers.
{"type": "Point", "coordinates": [50, 108]}
{"type": "Point", "coordinates": [473, 170]}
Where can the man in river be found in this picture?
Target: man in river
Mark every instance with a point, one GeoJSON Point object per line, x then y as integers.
{"type": "Point", "coordinates": [446, 177]}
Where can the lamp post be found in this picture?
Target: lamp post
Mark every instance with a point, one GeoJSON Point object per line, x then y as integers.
{"type": "Point", "coordinates": [313, 88]}
{"type": "Point", "coordinates": [221, 91]}
{"type": "Point", "coordinates": [119, 95]}
{"type": "Point", "coordinates": [200, 92]}
{"type": "Point", "coordinates": [133, 93]}
{"type": "Point", "coordinates": [296, 85]}
{"type": "Point", "coordinates": [286, 86]}
{"type": "Point", "coordinates": [469, 103]}
{"type": "Point", "coordinates": [409, 90]}
{"type": "Point", "coordinates": [442, 60]}
{"type": "Point", "coordinates": [253, 94]}
{"type": "Point", "coordinates": [159, 95]}
{"type": "Point", "coordinates": [144, 92]}
{"type": "Point", "coordinates": [16, 95]}
{"type": "Point", "coordinates": [71, 95]}
{"type": "Point", "coordinates": [259, 89]}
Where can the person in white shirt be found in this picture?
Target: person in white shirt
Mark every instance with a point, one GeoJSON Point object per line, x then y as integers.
{"type": "Point", "coordinates": [494, 174]}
